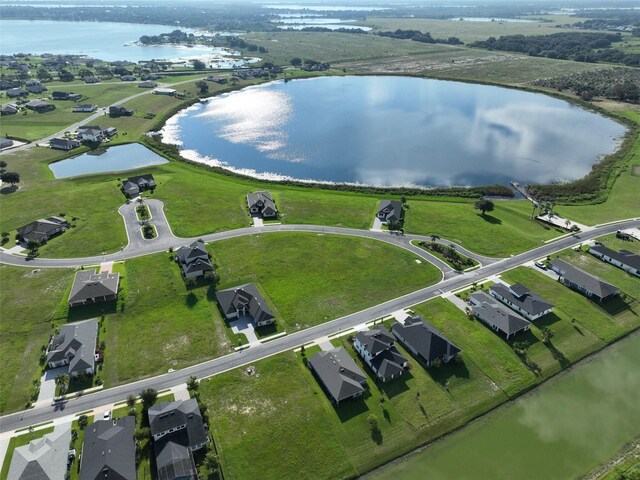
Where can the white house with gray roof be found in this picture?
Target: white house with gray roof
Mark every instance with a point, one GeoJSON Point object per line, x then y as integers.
{"type": "Point", "coordinates": [194, 260]}
{"type": "Point", "coordinates": [91, 287]}
{"type": "Point", "coordinates": [338, 373]}
{"type": "Point", "coordinates": [519, 298]}
{"type": "Point", "coordinates": [496, 315]}
{"type": "Point", "coordinates": [262, 204]}
{"type": "Point", "coordinates": [624, 259]}
{"type": "Point", "coordinates": [245, 300]}
{"type": "Point", "coordinates": [42, 459]}
{"type": "Point", "coordinates": [583, 282]}
{"type": "Point", "coordinates": [75, 346]}
{"type": "Point", "coordinates": [377, 349]}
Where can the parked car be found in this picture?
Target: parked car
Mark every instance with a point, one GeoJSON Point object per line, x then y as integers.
{"type": "Point", "coordinates": [107, 415]}
{"type": "Point", "coordinates": [540, 265]}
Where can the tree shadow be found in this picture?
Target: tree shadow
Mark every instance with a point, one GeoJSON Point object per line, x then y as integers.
{"type": "Point", "coordinates": [490, 219]}
{"type": "Point", "coordinates": [8, 189]}
{"type": "Point", "coordinates": [558, 355]}
{"type": "Point", "coordinates": [211, 293]}
{"type": "Point", "coordinates": [376, 436]}
{"type": "Point", "coordinates": [385, 414]}
{"type": "Point", "coordinates": [191, 300]}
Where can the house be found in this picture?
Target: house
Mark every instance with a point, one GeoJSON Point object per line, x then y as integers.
{"type": "Point", "coordinates": [91, 287]}
{"type": "Point", "coordinates": [117, 111]}
{"type": "Point", "coordinates": [583, 282]}
{"type": "Point", "coordinates": [132, 186]}
{"type": "Point", "coordinates": [164, 91]}
{"type": "Point", "coordinates": [109, 450]}
{"type": "Point", "coordinates": [178, 430]}
{"type": "Point", "coordinates": [36, 88]}
{"type": "Point", "coordinates": [497, 316]}
{"type": "Point", "coordinates": [40, 106]}
{"type": "Point", "coordinates": [5, 143]}
{"type": "Point", "coordinates": [424, 340]}
{"type": "Point", "coordinates": [262, 204]}
{"type": "Point", "coordinates": [42, 230]}
{"type": "Point", "coordinates": [65, 96]}
{"type": "Point", "coordinates": [390, 211]}
{"type": "Point", "coordinates": [109, 131]}
{"type": "Point", "coordinates": [624, 259]}
{"type": "Point", "coordinates": [128, 78]}
{"type": "Point", "coordinates": [44, 458]}
{"type": "Point", "coordinates": [91, 80]}
{"type": "Point", "coordinates": [85, 108]}
{"type": "Point", "coordinates": [64, 143]}
{"type": "Point", "coordinates": [339, 375]}
{"type": "Point", "coordinates": [17, 92]}
{"type": "Point", "coordinates": [9, 109]}
{"type": "Point", "coordinates": [377, 349]}
{"type": "Point", "coordinates": [147, 84]}
{"type": "Point", "coordinates": [90, 133]}
{"type": "Point", "coordinates": [245, 300]}
{"type": "Point", "coordinates": [75, 346]}
{"type": "Point", "coordinates": [194, 260]}
{"type": "Point", "coordinates": [519, 298]}
{"type": "Point", "coordinates": [217, 79]}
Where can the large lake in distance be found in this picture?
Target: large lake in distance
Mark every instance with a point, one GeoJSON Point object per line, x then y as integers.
{"type": "Point", "coordinates": [394, 131]}
{"type": "Point", "coordinates": [104, 40]}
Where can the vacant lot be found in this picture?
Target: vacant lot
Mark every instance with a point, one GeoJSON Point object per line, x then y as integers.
{"type": "Point", "coordinates": [28, 305]}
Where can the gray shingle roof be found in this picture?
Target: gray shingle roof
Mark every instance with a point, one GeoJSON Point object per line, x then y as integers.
{"type": "Point", "coordinates": [174, 461]}
{"type": "Point", "coordinates": [495, 314]}
{"type": "Point", "coordinates": [624, 256]}
{"type": "Point", "coordinates": [579, 277]}
{"type": "Point", "coordinates": [41, 229]}
{"type": "Point", "coordinates": [263, 202]}
{"type": "Point", "coordinates": [523, 298]}
{"type": "Point", "coordinates": [339, 373]}
{"type": "Point", "coordinates": [376, 340]}
{"type": "Point", "coordinates": [42, 459]}
{"type": "Point", "coordinates": [387, 360]}
{"type": "Point", "coordinates": [89, 285]}
{"type": "Point", "coordinates": [109, 450]}
{"type": "Point", "coordinates": [167, 415]}
{"type": "Point", "coordinates": [194, 258]}
{"type": "Point", "coordinates": [424, 338]}
{"type": "Point", "coordinates": [391, 210]}
{"type": "Point", "coordinates": [76, 341]}
{"type": "Point", "coordinates": [246, 296]}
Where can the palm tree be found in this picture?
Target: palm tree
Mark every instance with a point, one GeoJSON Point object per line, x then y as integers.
{"type": "Point", "coordinates": [435, 238]}
{"type": "Point", "coordinates": [547, 335]}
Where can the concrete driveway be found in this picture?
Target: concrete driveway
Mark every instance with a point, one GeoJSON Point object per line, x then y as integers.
{"type": "Point", "coordinates": [48, 384]}
{"type": "Point", "coordinates": [244, 325]}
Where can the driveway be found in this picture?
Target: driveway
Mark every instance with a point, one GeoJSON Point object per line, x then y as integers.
{"type": "Point", "coordinates": [48, 384]}
{"type": "Point", "coordinates": [165, 238]}
{"type": "Point", "coordinates": [377, 225]}
{"type": "Point", "coordinates": [244, 325]}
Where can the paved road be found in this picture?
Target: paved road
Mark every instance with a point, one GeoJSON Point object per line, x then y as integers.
{"type": "Point", "coordinates": [133, 226]}
{"type": "Point", "coordinates": [218, 365]}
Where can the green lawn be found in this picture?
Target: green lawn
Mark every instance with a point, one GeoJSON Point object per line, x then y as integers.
{"type": "Point", "coordinates": [28, 304]}
{"type": "Point", "coordinates": [74, 470]}
{"type": "Point", "coordinates": [20, 441]}
{"type": "Point", "coordinates": [505, 231]}
{"type": "Point", "coordinates": [340, 283]}
{"type": "Point", "coordinates": [452, 264]}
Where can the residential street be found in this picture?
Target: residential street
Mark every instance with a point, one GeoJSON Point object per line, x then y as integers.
{"type": "Point", "coordinates": [227, 362]}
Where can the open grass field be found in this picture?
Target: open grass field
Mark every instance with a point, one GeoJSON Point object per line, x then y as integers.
{"type": "Point", "coordinates": [505, 231]}
{"type": "Point", "coordinates": [20, 441]}
{"type": "Point", "coordinates": [289, 266]}
{"type": "Point", "coordinates": [623, 200]}
{"type": "Point", "coordinates": [467, 31]}
{"type": "Point", "coordinates": [28, 305]}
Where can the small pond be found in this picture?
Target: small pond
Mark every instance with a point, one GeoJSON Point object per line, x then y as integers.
{"type": "Point", "coordinates": [104, 160]}
{"type": "Point", "coordinates": [394, 131]}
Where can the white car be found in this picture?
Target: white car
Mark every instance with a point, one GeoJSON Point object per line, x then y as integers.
{"type": "Point", "coordinates": [540, 265]}
{"type": "Point", "coordinates": [107, 415]}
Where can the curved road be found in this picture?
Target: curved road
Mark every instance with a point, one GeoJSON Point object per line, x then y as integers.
{"type": "Point", "coordinates": [288, 342]}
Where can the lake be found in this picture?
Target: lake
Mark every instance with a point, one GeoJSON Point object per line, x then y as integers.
{"type": "Point", "coordinates": [103, 40]}
{"type": "Point", "coordinates": [114, 159]}
{"type": "Point", "coordinates": [562, 430]}
{"type": "Point", "coordinates": [390, 131]}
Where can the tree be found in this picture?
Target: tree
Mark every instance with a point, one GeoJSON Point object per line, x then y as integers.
{"type": "Point", "coordinates": [547, 334]}
{"type": "Point", "coordinates": [484, 205]}
{"type": "Point", "coordinates": [62, 382]}
{"type": "Point", "coordinates": [148, 397]}
{"type": "Point", "coordinates": [520, 347]}
{"type": "Point", "coordinates": [131, 401]}
{"type": "Point", "coordinates": [202, 86]}
{"type": "Point", "coordinates": [3, 166]}
{"type": "Point", "coordinates": [434, 238]}
{"type": "Point", "coordinates": [33, 245]}
{"type": "Point", "coordinates": [66, 76]}
{"type": "Point", "coordinates": [373, 423]}
{"type": "Point", "coordinates": [296, 62]}
{"type": "Point", "coordinates": [198, 65]}
{"type": "Point", "coordinates": [212, 462]}
{"type": "Point", "coordinates": [10, 177]}
{"type": "Point", "coordinates": [5, 237]}
{"type": "Point", "coordinates": [192, 383]}
{"type": "Point", "coordinates": [83, 421]}
{"type": "Point", "coordinates": [43, 75]}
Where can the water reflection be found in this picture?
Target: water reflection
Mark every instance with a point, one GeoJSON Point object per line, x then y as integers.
{"type": "Point", "coordinates": [395, 131]}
